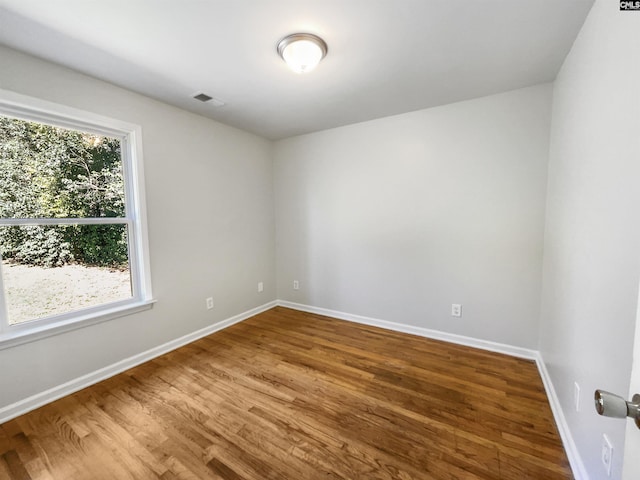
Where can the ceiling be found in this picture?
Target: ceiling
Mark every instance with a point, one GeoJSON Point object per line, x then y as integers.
{"type": "Point", "coordinates": [385, 56]}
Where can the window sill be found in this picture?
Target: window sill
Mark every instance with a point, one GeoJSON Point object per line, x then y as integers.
{"type": "Point", "coordinates": [24, 335]}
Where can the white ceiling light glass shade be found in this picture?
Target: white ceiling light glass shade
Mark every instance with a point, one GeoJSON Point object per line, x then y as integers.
{"type": "Point", "coordinates": [302, 51]}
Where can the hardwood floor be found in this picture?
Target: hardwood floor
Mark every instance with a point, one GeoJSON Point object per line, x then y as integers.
{"type": "Point", "coordinates": [290, 395]}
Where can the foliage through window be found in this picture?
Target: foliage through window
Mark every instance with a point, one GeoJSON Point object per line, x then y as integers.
{"type": "Point", "coordinates": [69, 239]}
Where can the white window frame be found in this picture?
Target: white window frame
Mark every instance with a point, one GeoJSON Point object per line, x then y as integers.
{"type": "Point", "coordinates": [130, 135]}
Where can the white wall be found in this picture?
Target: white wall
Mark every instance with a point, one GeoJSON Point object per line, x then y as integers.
{"type": "Point", "coordinates": [400, 217]}
{"type": "Point", "coordinates": [211, 227]}
{"type": "Point", "coordinates": [592, 240]}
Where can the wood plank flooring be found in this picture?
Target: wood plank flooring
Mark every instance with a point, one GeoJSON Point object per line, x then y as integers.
{"type": "Point", "coordinates": [290, 395]}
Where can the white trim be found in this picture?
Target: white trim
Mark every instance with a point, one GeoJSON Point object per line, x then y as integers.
{"type": "Point", "coordinates": [141, 255]}
{"type": "Point", "coordinates": [24, 333]}
{"type": "Point", "coordinates": [420, 331]}
{"type": "Point", "coordinates": [35, 401]}
{"type": "Point", "coordinates": [577, 466]}
{"type": "Point", "coordinates": [43, 111]}
{"type": "Point", "coordinates": [65, 221]}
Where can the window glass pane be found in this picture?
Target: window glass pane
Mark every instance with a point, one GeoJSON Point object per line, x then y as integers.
{"type": "Point", "coordinates": [51, 270]}
{"type": "Point", "coordinates": [53, 172]}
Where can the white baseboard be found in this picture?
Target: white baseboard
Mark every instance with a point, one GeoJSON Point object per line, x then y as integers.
{"type": "Point", "coordinates": [571, 450]}
{"type": "Point", "coordinates": [31, 403]}
{"type": "Point", "coordinates": [420, 331]}
{"type": "Point", "coordinates": [579, 471]}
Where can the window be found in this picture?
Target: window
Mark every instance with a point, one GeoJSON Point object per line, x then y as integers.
{"type": "Point", "coordinates": [72, 224]}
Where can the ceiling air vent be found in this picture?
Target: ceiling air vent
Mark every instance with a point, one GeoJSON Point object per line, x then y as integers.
{"type": "Point", "coordinates": [204, 98]}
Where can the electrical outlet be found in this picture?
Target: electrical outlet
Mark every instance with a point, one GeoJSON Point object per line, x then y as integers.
{"type": "Point", "coordinates": [209, 303]}
{"type": "Point", "coordinates": [296, 285]}
{"type": "Point", "coordinates": [260, 287]}
{"type": "Point", "coordinates": [456, 310]}
{"type": "Point", "coordinates": [607, 454]}
{"type": "Point", "coordinates": [576, 396]}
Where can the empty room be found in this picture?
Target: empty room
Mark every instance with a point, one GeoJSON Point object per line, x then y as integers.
{"type": "Point", "coordinates": [348, 239]}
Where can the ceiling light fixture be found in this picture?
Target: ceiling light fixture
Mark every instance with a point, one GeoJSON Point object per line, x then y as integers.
{"type": "Point", "coordinates": [302, 51]}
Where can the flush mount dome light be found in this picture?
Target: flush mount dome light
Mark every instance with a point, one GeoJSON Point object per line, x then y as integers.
{"type": "Point", "coordinates": [302, 51]}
